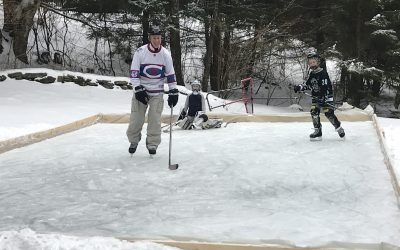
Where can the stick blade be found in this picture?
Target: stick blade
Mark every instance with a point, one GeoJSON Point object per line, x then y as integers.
{"type": "Point", "coordinates": [173, 166]}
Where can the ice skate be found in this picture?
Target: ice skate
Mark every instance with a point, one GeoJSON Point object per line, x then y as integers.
{"type": "Point", "coordinates": [316, 135]}
{"type": "Point", "coordinates": [341, 132]}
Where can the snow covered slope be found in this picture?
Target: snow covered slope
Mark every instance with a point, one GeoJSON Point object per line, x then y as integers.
{"type": "Point", "coordinates": [27, 107]}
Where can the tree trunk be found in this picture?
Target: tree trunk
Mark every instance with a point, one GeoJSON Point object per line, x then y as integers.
{"type": "Point", "coordinates": [18, 20]}
{"type": "Point", "coordinates": [208, 26]}
{"type": "Point", "coordinates": [1, 42]}
{"type": "Point", "coordinates": [376, 88]}
{"type": "Point", "coordinates": [175, 41]}
{"type": "Point", "coordinates": [344, 83]}
{"type": "Point", "coordinates": [319, 35]}
{"type": "Point", "coordinates": [252, 60]}
{"type": "Point", "coordinates": [358, 28]}
{"type": "Point", "coordinates": [145, 27]}
{"type": "Point", "coordinates": [9, 9]}
{"type": "Point", "coordinates": [355, 85]}
{"type": "Point", "coordinates": [225, 62]}
{"type": "Point", "coordinates": [397, 99]}
{"type": "Point", "coordinates": [215, 71]}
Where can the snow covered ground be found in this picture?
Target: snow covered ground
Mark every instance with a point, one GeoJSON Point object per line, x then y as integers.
{"type": "Point", "coordinates": [28, 107]}
{"type": "Point", "coordinates": [391, 128]}
{"type": "Point", "coordinates": [248, 182]}
{"type": "Point", "coordinates": [26, 239]}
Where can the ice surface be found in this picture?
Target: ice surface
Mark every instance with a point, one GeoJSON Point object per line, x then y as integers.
{"type": "Point", "coordinates": [248, 182]}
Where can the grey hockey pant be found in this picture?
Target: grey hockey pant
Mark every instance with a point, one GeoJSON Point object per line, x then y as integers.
{"type": "Point", "coordinates": [137, 118]}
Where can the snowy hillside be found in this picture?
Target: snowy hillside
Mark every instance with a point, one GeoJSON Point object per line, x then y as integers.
{"type": "Point", "coordinates": [28, 107]}
{"type": "Point", "coordinates": [247, 182]}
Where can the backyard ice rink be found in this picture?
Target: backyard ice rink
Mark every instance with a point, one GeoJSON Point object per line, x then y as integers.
{"type": "Point", "coordinates": [248, 183]}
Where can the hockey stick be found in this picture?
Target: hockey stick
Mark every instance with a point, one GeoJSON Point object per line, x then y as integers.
{"type": "Point", "coordinates": [333, 106]}
{"type": "Point", "coordinates": [173, 166]}
{"type": "Point", "coordinates": [173, 124]}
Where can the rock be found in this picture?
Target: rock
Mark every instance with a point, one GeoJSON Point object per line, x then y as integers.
{"type": "Point", "coordinates": [16, 75]}
{"type": "Point", "coordinates": [80, 81]}
{"type": "Point", "coordinates": [60, 79]}
{"type": "Point", "coordinates": [90, 83]}
{"type": "Point", "coordinates": [3, 78]}
{"type": "Point", "coordinates": [106, 84]}
{"type": "Point", "coordinates": [121, 83]}
{"type": "Point", "coordinates": [33, 76]}
{"type": "Point", "coordinates": [47, 80]}
{"type": "Point", "coordinates": [69, 78]}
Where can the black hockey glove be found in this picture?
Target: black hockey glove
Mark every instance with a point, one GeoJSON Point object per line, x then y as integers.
{"type": "Point", "coordinates": [297, 88]}
{"type": "Point", "coordinates": [141, 94]}
{"type": "Point", "coordinates": [173, 95]}
{"type": "Point", "coordinates": [321, 100]}
{"type": "Point", "coordinates": [182, 115]}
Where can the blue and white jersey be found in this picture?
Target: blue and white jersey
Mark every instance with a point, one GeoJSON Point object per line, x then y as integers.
{"type": "Point", "coordinates": [194, 103]}
{"type": "Point", "coordinates": [151, 68]}
{"type": "Point", "coordinates": [320, 84]}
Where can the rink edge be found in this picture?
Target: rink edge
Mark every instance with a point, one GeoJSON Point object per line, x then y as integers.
{"type": "Point", "coordinates": [388, 161]}
{"type": "Point", "coordinates": [25, 140]}
{"type": "Point", "coordinates": [197, 245]}
{"type": "Point", "coordinates": [32, 138]}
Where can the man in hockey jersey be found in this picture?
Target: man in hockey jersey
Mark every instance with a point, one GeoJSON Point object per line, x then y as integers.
{"type": "Point", "coordinates": [322, 97]}
{"type": "Point", "coordinates": [151, 65]}
{"type": "Point", "coordinates": [194, 108]}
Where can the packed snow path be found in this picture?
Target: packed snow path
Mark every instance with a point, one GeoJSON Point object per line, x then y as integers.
{"type": "Point", "coordinates": [248, 182]}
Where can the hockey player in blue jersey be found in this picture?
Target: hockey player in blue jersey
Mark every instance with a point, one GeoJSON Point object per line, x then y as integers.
{"type": "Point", "coordinates": [193, 114]}
{"type": "Point", "coordinates": [322, 97]}
{"type": "Point", "coordinates": [194, 107]}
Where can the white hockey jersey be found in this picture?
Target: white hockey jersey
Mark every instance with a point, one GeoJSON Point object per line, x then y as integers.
{"type": "Point", "coordinates": [150, 68]}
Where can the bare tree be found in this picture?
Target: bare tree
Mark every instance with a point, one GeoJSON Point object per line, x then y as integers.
{"type": "Point", "coordinates": [18, 21]}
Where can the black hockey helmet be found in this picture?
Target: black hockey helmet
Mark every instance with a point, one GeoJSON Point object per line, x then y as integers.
{"type": "Point", "coordinates": [314, 55]}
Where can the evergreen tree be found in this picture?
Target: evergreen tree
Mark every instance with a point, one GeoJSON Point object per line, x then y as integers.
{"type": "Point", "coordinates": [384, 49]}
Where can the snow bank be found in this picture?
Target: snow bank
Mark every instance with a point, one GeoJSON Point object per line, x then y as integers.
{"type": "Point", "coordinates": [26, 239]}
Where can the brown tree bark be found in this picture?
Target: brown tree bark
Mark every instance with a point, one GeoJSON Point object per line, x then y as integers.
{"type": "Point", "coordinates": [9, 8]}
{"type": "Point", "coordinates": [18, 20]}
{"type": "Point", "coordinates": [355, 86]}
{"type": "Point", "coordinates": [250, 65]}
{"type": "Point", "coordinates": [356, 80]}
{"type": "Point", "coordinates": [358, 28]}
{"type": "Point", "coordinates": [397, 99]}
{"type": "Point", "coordinates": [1, 42]}
{"type": "Point", "coordinates": [209, 44]}
{"type": "Point", "coordinates": [215, 71]}
{"type": "Point", "coordinates": [145, 27]}
{"type": "Point", "coordinates": [226, 59]}
{"type": "Point", "coordinates": [175, 41]}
